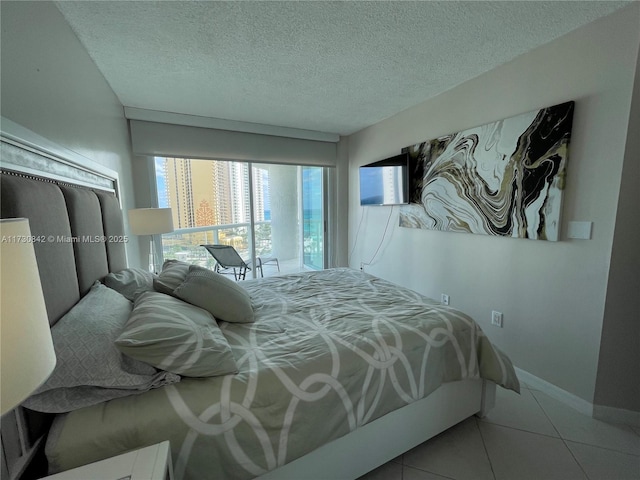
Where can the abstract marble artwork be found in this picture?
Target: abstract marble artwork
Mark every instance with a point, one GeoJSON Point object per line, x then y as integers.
{"type": "Point", "coordinates": [504, 178]}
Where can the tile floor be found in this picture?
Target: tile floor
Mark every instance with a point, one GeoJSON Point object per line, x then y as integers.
{"type": "Point", "coordinates": [530, 436]}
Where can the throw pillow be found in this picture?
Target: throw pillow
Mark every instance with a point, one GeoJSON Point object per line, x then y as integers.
{"type": "Point", "coordinates": [173, 274]}
{"type": "Point", "coordinates": [222, 297]}
{"type": "Point", "coordinates": [130, 282]}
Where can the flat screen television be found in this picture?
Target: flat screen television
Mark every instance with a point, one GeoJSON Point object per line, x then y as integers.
{"type": "Point", "coordinates": [385, 182]}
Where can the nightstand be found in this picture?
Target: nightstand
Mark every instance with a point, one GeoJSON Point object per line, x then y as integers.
{"type": "Point", "coordinates": [149, 463]}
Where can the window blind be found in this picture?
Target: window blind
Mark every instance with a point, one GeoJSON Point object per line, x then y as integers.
{"type": "Point", "coordinates": [170, 140]}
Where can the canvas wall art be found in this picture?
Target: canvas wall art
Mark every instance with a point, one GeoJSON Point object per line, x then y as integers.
{"type": "Point", "coordinates": [504, 178]}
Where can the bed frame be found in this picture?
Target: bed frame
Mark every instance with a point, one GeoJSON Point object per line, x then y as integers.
{"type": "Point", "coordinates": [395, 433]}
{"type": "Point", "coordinates": [64, 194]}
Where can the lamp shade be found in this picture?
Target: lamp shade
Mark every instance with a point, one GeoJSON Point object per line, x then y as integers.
{"type": "Point", "coordinates": [27, 357]}
{"type": "Point", "coordinates": [150, 221]}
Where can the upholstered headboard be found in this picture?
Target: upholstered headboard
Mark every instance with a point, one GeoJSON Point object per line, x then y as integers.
{"type": "Point", "coordinates": [71, 227]}
{"type": "Point", "coordinates": [75, 219]}
{"type": "Point", "coordinates": [78, 236]}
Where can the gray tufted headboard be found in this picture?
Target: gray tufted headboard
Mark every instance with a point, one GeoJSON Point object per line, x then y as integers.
{"type": "Point", "coordinates": [75, 217]}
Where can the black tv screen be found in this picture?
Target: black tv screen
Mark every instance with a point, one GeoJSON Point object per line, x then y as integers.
{"type": "Point", "coordinates": [385, 182]}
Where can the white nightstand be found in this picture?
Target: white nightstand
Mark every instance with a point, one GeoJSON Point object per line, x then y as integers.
{"type": "Point", "coordinates": [149, 463]}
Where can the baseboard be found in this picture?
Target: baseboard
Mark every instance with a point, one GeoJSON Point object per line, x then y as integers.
{"type": "Point", "coordinates": [616, 415]}
{"type": "Point", "coordinates": [569, 399]}
{"type": "Point", "coordinates": [600, 412]}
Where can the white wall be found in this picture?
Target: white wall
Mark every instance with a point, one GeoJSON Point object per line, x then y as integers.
{"type": "Point", "coordinates": [51, 86]}
{"type": "Point", "coordinates": [618, 384]}
{"type": "Point", "coordinates": [552, 294]}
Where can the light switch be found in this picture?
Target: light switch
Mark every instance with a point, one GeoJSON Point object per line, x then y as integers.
{"type": "Point", "coordinates": [581, 230]}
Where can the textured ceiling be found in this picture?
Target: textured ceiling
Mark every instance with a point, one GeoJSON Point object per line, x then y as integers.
{"type": "Point", "coordinates": [324, 66]}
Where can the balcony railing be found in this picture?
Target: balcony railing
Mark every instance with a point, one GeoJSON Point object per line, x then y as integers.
{"type": "Point", "coordinates": [184, 244]}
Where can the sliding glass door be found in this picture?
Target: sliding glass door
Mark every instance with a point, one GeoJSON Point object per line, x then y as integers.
{"type": "Point", "coordinates": [313, 218]}
{"type": "Point", "coordinates": [265, 211]}
{"type": "Point", "coordinates": [276, 219]}
{"type": "Point", "coordinates": [210, 204]}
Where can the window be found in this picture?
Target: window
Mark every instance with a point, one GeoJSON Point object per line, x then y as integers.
{"type": "Point", "coordinates": [313, 218]}
{"type": "Point", "coordinates": [262, 210]}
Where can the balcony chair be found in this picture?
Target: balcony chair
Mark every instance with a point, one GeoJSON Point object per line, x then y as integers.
{"type": "Point", "coordinates": [228, 260]}
{"type": "Point", "coordinates": [265, 260]}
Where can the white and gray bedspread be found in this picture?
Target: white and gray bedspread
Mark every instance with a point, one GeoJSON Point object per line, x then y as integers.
{"type": "Point", "coordinates": [329, 351]}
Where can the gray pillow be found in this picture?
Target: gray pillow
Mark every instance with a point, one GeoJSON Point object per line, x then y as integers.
{"type": "Point", "coordinates": [90, 369]}
{"type": "Point", "coordinates": [130, 282]}
{"type": "Point", "coordinates": [173, 274]}
{"type": "Point", "coordinates": [223, 298]}
{"type": "Point", "coordinates": [175, 336]}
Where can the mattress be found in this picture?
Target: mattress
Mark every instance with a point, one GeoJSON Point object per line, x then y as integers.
{"type": "Point", "coordinates": [329, 351]}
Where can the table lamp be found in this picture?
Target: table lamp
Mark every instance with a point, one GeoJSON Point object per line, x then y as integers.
{"type": "Point", "coordinates": [27, 357]}
{"type": "Point", "coordinates": [151, 221]}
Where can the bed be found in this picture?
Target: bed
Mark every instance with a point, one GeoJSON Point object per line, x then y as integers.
{"type": "Point", "coordinates": [335, 372]}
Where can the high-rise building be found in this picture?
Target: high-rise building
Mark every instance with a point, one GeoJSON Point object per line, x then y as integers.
{"type": "Point", "coordinates": [179, 191]}
{"type": "Point", "coordinates": [210, 192]}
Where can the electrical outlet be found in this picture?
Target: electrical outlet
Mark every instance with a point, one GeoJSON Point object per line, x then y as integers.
{"type": "Point", "coordinates": [496, 318]}
{"type": "Point", "coordinates": [444, 299]}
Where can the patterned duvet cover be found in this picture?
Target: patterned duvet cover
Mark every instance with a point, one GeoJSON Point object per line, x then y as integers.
{"type": "Point", "coordinates": [329, 351]}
